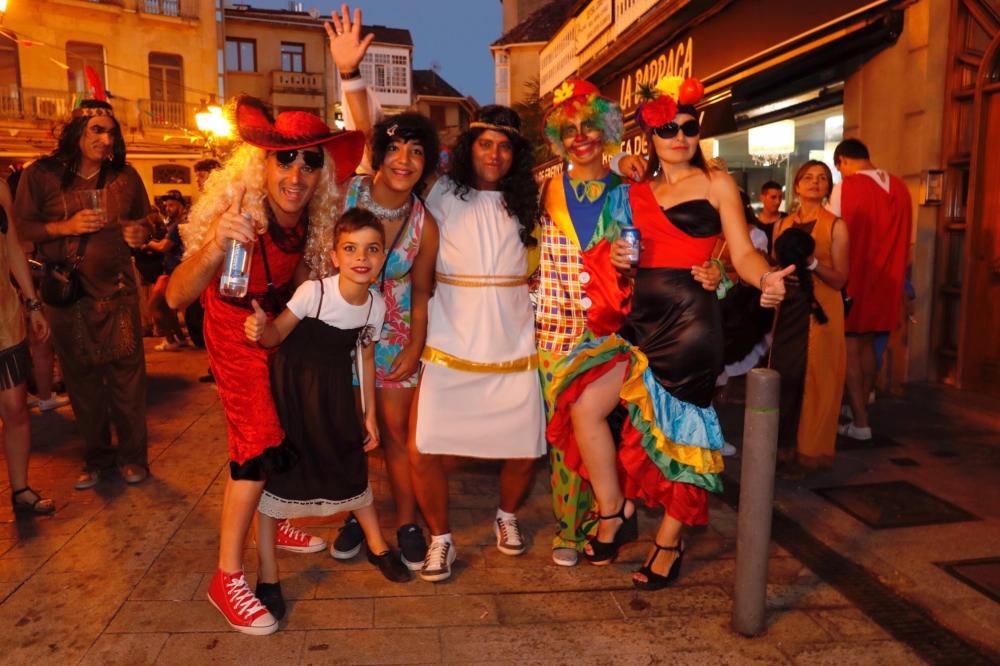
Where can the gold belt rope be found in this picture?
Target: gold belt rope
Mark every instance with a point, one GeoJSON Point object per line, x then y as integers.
{"type": "Point", "coordinates": [482, 280]}
{"type": "Point", "coordinates": [438, 357]}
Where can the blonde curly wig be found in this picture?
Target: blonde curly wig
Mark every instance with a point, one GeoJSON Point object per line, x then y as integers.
{"type": "Point", "coordinates": [247, 166]}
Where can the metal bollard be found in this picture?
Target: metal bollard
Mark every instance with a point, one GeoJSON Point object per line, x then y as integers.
{"type": "Point", "coordinates": [753, 535]}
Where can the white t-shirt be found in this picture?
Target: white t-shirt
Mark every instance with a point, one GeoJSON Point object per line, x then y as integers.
{"type": "Point", "coordinates": [335, 310]}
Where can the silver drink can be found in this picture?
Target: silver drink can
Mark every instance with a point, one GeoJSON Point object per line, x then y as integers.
{"type": "Point", "coordinates": [633, 237]}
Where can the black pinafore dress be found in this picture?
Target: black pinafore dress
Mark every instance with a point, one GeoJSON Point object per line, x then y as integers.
{"type": "Point", "coordinates": [311, 383]}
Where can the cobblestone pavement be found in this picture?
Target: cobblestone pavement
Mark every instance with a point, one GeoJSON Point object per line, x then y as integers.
{"type": "Point", "coordinates": [118, 576]}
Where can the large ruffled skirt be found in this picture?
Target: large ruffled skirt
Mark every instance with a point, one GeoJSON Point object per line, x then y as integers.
{"type": "Point", "coordinates": [669, 448]}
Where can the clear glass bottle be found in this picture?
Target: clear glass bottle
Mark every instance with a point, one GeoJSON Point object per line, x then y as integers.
{"type": "Point", "coordinates": [235, 278]}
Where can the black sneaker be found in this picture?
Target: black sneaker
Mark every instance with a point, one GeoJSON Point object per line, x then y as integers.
{"type": "Point", "coordinates": [270, 595]}
{"type": "Point", "coordinates": [412, 546]}
{"type": "Point", "coordinates": [348, 543]}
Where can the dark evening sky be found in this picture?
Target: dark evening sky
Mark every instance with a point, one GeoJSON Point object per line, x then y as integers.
{"type": "Point", "coordinates": [454, 34]}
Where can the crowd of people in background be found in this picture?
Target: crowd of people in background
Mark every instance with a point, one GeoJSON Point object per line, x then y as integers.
{"type": "Point", "coordinates": [474, 313]}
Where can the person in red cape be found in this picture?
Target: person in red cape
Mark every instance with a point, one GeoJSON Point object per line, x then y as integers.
{"type": "Point", "coordinates": [662, 367]}
{"type": "Point", "coordinates": [878, 211]}
{"type": "Point", "coordinates": [283, 178]}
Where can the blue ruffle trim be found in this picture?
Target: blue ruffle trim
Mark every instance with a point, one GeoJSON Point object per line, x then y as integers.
{"type": "Point", "coordinates": [682, 422]}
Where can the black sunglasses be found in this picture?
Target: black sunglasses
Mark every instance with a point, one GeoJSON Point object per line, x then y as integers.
{"type": "Point", "coordinates": [313, 159]}
{"type": "Point", "coordinates": [670, 130]}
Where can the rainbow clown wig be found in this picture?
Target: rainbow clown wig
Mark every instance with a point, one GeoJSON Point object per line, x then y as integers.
{"type": "Point", "coordinates": [579, 101]}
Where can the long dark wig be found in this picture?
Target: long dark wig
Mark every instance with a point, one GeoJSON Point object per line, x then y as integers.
{"type": "Point", "coordinates": [519, 188]}
{"type": "Point", "coordinates": [67, 152]}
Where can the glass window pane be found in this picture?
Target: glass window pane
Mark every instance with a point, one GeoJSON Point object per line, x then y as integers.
{"type": "Point", "coordinates": [246, 57]}
{"type": "Point", "coordinates": [232, 55]}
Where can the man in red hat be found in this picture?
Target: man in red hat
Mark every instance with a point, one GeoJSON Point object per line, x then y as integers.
{"type": "Point", "coordinates": [283, 178]}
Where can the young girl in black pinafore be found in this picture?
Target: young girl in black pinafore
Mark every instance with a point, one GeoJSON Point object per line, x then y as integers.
{"type": "Point", "coordinates": [312, 384]}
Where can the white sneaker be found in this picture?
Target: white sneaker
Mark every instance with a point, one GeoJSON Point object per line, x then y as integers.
{"type": "Point", "coordinates": [53, 402]}
{"type": "Point", "coordinates": [167, 346]}
{"type": "Point", "coordinates": [565, 557]}
{"type": "Point", "coordinates": [728, 450]}
{"type": "Point", "coordinates": [508, 533]}
{"type": "Point", "coordinates": [437, 564]}
{"type": "Point", "coordinates": [854, 432]}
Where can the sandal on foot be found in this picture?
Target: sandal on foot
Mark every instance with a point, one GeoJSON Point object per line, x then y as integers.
{"type": "Point", "coordinates": [390, 565]}
{"type": "Point", "coordinates": [603, 552]}
{"type": "Point", "coordinates": [42, 506]}
{"type": "Point", "coordinates": [655, 581]}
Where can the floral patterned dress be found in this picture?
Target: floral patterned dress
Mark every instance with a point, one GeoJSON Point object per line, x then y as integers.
{"type": "Point", "coordinates": [396, 286]}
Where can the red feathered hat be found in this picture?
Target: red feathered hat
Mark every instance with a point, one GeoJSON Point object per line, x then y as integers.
{"type": "Point", "coordinates": [297, 129]}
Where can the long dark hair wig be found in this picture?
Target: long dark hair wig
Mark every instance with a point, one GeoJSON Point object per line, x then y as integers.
{"type": "Point", "coordinates": [67, 150]}
{"type": "Point", "coordinates": [519, 188]}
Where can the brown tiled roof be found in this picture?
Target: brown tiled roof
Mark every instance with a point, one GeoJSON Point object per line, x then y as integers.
{"type": "Point", "coordinates": [429, 82]}
{"type": "Point", "coordinates": [384, 35]}
{"type": "Point", "coordinates": [540, 26]}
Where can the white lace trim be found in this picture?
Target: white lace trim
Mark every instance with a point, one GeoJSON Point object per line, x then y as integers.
{"type": "Point", "coordinates": [279, 507]}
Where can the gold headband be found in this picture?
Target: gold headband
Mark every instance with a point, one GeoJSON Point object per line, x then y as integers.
{"type": "Point", "coordinates": [499, 128]}
{"type": "Point", "coordinates": [92, 112]}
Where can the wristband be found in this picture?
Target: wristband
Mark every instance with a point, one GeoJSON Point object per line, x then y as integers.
{"type": "Point", "coordinates": [353, 85]}
{"type": "Point", "coordinates": [812, 266]}
{"type": "Point", "coordinates": [353, 74]}
{"type": "Point", "coordinates": [616, 160]}
{"type": "Point", "coordinates": [32, 304]}
{"type": "Point", "coordinates": [763, 278]}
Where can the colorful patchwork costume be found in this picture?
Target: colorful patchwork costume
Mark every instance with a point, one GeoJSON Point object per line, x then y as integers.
{"type": "Point", "coordinates": [580, 296]}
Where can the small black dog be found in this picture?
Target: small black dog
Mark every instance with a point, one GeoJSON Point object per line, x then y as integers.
{"type": "Point", "coordinates": [795, 246]}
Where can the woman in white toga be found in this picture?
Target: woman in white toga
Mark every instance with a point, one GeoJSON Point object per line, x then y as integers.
{"type": "Point", "coordinates": [479, 394]}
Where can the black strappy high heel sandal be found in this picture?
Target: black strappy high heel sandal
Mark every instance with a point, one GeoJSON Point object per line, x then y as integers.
{"type": "Point", "coordinates": [605, 553]}
{"type": "Point", "coordinates": [42, 506]}
{"type": "Point", "coordinates": [655, 581]}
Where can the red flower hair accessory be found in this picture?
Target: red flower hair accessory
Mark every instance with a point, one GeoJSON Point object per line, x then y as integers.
{"type": "Point", "coordinates": [664, 100]}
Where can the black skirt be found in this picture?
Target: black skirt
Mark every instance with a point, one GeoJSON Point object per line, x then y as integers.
{"type": "Point", "coordinates": [15, 365]}
{"type": "Point", "coordinates": [677, 325]}
{"type": "Point", "coordinates": [311, 383]}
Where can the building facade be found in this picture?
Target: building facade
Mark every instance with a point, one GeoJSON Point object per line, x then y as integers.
{"type": "Point", "coordinates": [153, 69]}
{"type": "Point", "coordinates": [278, 56]}
{"type": "Point", "coordinates": [785, 81]}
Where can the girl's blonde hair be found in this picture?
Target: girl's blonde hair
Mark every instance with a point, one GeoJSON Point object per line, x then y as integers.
{"type": "Point", "coordinates": [247, 167]}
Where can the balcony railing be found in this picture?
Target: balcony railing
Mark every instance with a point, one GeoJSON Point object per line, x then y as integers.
{"type": "Point", "coordinates": [302, 83]}
{"type": "Point", "coordinates": [158, 113]}
{"type": "Point", "coordinates": [34, 103]}
{"type": "Point", "coordinates": [181, 8]}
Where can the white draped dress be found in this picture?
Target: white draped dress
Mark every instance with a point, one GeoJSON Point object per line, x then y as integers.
{"type": "Point", "coordinates": [479, 394]}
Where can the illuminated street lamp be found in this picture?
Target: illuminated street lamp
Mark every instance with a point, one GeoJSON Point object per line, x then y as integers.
{"type": "Point", "coordinates": [212, 123]}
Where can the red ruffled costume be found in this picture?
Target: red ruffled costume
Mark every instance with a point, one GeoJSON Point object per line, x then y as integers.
{"type": "Point", "coordinates": [240, 366]}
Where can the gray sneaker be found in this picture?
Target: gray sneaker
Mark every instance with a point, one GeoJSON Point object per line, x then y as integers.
{"type": "Point", "coordinates": [437, 563]}
{"type": "Point", "coordinates": [87, 479]}
{"type": "Point", "coordinates": [508, 532]}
